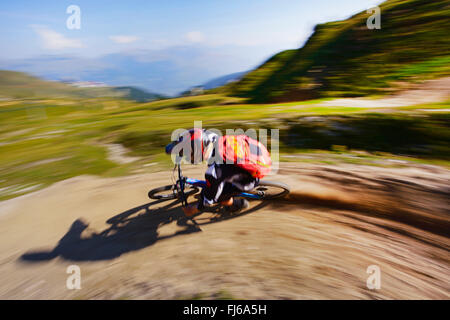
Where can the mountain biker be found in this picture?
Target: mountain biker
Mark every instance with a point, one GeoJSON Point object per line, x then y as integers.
{"type": "Point", "coordinates": [224, 178]}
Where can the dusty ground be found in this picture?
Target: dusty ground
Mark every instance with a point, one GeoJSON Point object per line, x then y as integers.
{"type": "Point", "coordinates": [317, 244]}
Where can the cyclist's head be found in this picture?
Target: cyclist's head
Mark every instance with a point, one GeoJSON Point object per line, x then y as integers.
{"type": "Point", "coordinates": [195, 145]}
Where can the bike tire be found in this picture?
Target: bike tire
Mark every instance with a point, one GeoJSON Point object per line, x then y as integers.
{"type": "Point", "coordinates": [284, 189]}
{"type": "Point", "coordinates": [158, 193]}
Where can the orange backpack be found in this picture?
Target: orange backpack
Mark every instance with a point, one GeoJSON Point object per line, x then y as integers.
{"type": "Point", "coordinates": [247, 153]}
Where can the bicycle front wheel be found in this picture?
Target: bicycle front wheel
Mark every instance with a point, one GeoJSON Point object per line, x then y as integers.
{"type": "Point", "coordinates": [170, 192]}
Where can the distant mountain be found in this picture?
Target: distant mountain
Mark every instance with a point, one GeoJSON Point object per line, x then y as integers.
{"type": "Point", "coordinates": [346, 58]}
{"type": "Point", "coordinates": [22, 85]}
{"type": "Point", "coordinates": [213, 84]}
{"type": "Point", "coordinates": [221, 81]}
{"type": "Point", "coordinates": [167, 71]}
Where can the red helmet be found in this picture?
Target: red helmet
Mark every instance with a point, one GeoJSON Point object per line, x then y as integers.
{"type": "Point", "coordinates": [195, 142]}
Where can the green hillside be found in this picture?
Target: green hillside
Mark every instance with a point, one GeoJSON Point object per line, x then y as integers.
{"type": "Point", "coordinates": [137, 94]}
{"type": "Point", "coordinates": [20, 85]}
{"type": "Point", "coordinates": [345, 58]}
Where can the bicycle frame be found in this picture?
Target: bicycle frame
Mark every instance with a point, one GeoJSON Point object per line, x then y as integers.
{"type": "Point", "coordinates": [202, 184]}
{"type": "Point", "coordinates": [182, 181]}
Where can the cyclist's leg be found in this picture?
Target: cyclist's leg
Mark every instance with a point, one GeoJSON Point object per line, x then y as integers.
{"type": "Point", "coordinates": [228, 192]}
{"type": "Point", "coordinates": [235, 184]}
{"type": "Point", "coordinates": [225, 181]}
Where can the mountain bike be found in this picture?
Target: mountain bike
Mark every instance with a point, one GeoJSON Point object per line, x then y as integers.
{"type": "Point", "coordinates": [184, 187]}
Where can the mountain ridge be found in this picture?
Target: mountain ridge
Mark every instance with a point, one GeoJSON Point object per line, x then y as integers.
{"type": "Point", "coordinates": [345, 58]}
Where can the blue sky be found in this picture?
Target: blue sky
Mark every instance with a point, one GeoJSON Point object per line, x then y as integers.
{"type": "Point", "coordinates": [27, 27]}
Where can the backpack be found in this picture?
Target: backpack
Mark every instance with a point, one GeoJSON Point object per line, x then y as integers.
{"type": "Point", "coordinates": [247, 153]}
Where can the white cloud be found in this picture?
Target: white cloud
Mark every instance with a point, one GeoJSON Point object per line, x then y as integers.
{"type": "Point", "coordinates": [195, 36]}
{"type": "Point", "coordinates": [123, 39]}
{"type": "Point", "coordinates": [54, 40]}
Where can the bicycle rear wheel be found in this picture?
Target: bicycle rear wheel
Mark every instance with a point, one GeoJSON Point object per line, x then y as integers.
{"type": "Point", "coordinates": [271, 190]}
{"type": "Point", "coordinates": [170, 192]}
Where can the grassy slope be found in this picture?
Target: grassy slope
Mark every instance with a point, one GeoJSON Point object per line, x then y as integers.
{"type": "Point", "coordinates": [345, 58]}
{"type": "Point", "coordinates": [47, 140]}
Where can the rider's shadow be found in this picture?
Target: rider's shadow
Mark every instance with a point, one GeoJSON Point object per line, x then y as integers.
{"type": "Point", "coordinates": [131, 230]}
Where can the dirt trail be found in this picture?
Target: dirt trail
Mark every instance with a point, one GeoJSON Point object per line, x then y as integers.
{"type": "Point", "coordinates": [430, 91]}
{"type": "Point", "coordinates": [317, 244]}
